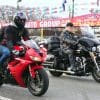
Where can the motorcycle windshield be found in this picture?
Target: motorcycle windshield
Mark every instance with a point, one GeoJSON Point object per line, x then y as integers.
{"type": "Point", "coordinates": [31, 44]}
{"type": "Point", "coordinates": [87, 31]}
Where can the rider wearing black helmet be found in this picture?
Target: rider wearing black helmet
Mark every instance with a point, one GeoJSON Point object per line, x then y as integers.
{"type": "Point", "coordinates": [12, 35]}
{"type": "Point", "coordinates": [17, 31]}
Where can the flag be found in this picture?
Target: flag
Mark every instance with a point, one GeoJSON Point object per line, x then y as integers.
{"type": "Point", "coordinates": [54, 10]}
{"type": "Point", "coordinates": [64, 1]}
{"type": "Point", "coordinates": [91, 10]}
{"type": "Point", "coordinates": [63, 4]}
{"type": "Point", "coordinates": [60, 9]}
{"type": "Point", "coordinates": [46, 10]}
{"type": "Point", "coordinates": [19, 0]}
{"type": "Point", "coordinates": [30, 13]}
{"type": "Point", "coordinates": [39, 10]}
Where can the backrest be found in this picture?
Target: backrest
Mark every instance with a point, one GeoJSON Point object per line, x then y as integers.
{"type": "Point", "coordinates": [54, 42]}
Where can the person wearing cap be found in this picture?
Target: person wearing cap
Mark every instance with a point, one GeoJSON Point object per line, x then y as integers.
{"type": "Point", "coordinates": [67, 39]}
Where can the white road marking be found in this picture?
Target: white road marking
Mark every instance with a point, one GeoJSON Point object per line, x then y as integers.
{"type": "Point", "coordinates": [4, 98]}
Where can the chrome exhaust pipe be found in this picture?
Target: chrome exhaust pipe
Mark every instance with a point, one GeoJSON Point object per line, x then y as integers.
{"type": "Point", "coordinates": [55, 70]}
{"type": "Point", "coordinates": [48, 63]}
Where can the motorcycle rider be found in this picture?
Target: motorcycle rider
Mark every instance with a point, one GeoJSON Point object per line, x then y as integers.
{"type": "Point", "coordinates": [67, 41]}
{"type": "Point", "coordinates": [12, 34]}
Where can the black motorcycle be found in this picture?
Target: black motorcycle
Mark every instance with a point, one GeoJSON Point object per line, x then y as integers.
{"type": "Point", "coordinates": [86, 55]}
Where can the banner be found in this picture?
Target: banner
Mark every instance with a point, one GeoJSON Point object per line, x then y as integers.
{"type": "Point", "coordinates": [47, 23]}
{"type": "Point", "coordinates": [90, 19]}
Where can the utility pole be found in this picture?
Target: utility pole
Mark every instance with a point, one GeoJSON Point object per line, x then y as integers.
{"type": "Point", "coordinates": [69, 10]}
{"type": "Point", "coordinates": [42, 30]}
{"type": "Point", "coordinates": [98, 2]}
{"type": "Point", "coordinates": [73, 1]}
{"type": "Point", "coordinates": [18, 4]}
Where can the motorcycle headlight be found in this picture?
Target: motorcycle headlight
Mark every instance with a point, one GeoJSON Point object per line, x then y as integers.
{"type": "Point", "coordinates": [36, 58]}
{"type": "Point", "coordinates": [94, 49]}
{"type": "Point", "coordinates": [98, 48]}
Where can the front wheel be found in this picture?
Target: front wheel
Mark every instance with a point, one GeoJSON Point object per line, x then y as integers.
{"type": "Point", "coordinates": [1, 81]}
{"type": "Point", "coordinates": [38, 85]}
{"type": "Point", "coordinates": [96, 75]}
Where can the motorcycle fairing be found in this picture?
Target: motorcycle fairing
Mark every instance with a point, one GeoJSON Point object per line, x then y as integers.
{"type": "Point", "coordinates": [17, 68]}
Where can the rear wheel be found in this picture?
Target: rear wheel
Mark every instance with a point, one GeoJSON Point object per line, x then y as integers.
{"type": "Point", "coordinates": [55, 73]}
{"type": "Point", "coordinates": [96, 75]}
{"type": "Point", "coordinates": [38, 85]}
{"type": "Point", "coordinates": [56, 66]}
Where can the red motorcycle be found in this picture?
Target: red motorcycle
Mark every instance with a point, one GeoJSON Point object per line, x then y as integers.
{"type": "Point", "coordinates": [24, 68]}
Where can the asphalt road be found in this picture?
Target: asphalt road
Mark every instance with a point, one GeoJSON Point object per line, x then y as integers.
{"type": "Point", "coordinates": [62, 88]}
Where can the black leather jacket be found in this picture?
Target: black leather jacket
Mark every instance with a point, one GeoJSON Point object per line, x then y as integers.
{"type": "Point", "coordinates": [13, 35]}
{"type": "Point", "coordinates": [67, 37]}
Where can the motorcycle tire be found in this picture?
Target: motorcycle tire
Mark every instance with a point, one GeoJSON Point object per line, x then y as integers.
{"type": "Point", "coordinates": [38, 85]}
{"type": "Point", "coordinates": [55, 73]}
{"type": "Point", "coordinates": [1, 81]}
{"type": "Point", "coordinates": [96, 75]}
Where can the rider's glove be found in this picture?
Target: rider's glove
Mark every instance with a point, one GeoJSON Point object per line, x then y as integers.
{"type": "Point", "coordinates": [15, 52]}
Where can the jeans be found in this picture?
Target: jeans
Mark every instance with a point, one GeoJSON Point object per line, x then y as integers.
{"type": "Point", "coordinates": [4, 53]}
{"type": "Point", "coordinates": [71, 57]}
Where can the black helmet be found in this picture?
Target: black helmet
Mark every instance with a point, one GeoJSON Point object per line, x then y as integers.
{"type": "Point", "coordinates": [20, 19]}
